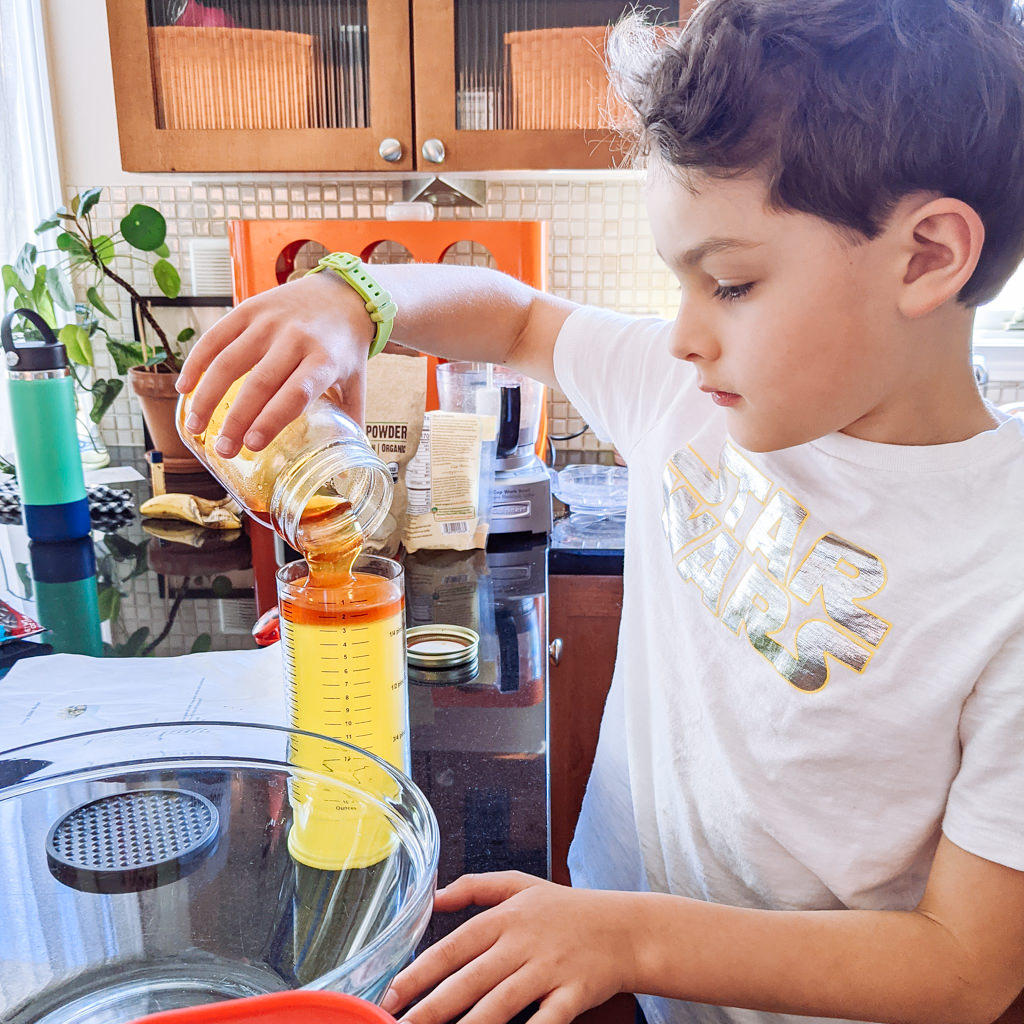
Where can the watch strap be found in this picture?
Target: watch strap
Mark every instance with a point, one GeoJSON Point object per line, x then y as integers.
{"type": "Point", "coordinates": [378, 301]}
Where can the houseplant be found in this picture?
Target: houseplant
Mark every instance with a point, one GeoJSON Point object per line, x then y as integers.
{"type": "Point", "coordinates": [75, 285]}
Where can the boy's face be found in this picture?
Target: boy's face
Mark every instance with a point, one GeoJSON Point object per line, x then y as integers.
{"type": "Point", "coordinates": [792, 327]}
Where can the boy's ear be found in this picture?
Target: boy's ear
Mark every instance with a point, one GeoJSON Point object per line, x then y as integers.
{"type": "Point", "coordinates": [943, 239]}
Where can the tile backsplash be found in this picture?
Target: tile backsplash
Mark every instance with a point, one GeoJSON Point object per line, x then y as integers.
{"type": "Point", "coordinates": [600, 248]}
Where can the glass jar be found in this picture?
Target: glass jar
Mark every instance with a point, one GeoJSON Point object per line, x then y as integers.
{"type": "Point", "coordinates": [318, 484]}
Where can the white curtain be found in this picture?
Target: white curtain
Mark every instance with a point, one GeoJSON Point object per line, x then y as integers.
{"type": "Point", "coordinates": [29, 177]}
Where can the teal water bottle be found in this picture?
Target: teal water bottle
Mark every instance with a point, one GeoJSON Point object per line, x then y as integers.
{"type": "Point", "coordinates": [45, 440]}
{"type": "Point", "coordinates": [67, 598]}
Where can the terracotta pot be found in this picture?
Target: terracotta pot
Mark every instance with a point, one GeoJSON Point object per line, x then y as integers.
{"type": "Point", "coordinates": [159, 402]}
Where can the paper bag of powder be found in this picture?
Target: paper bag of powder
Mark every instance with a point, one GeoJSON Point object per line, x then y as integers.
{"type": "Point", "coordinates": [449, 482]}
{"type": "Point", "coordinates": [396, 395]}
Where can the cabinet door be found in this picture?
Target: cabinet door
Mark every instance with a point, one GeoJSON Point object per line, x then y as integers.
{"type": "Point", "coordinates": [515, 84]}
{"type": "Point", "coordinates": [262, 85]}
{"type": "Point", "coordinates": [583, 627]}
{"type": "Point", "coordinates": [583, 613]}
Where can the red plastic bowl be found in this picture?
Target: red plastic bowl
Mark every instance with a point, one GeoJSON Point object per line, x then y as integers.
{"type": "Point", "coordinates": [298, 1007]}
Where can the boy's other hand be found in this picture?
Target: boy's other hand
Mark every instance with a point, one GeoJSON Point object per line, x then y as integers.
{"type": "Point", "coordinates": [540, 942]}
{"type": "Point", "coordinates": [295, 341]}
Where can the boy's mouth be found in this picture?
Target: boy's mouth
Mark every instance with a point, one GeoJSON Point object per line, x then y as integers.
{"type": "Point", "coordinates": [722, 397]}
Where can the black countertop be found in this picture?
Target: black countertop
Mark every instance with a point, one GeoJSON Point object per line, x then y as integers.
{"type": "Point", "coordinates": [479, 748]}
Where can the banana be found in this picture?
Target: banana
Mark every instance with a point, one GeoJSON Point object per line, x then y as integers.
{"type": "Point", "coordinates": [225, 514]}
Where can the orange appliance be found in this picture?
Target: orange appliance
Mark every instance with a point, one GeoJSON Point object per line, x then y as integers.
{"type": "Point", "coordinates": [264, 252]}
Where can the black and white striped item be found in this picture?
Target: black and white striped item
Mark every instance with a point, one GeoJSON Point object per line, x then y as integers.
{"type": "Point", "coordinates": [108, 508]}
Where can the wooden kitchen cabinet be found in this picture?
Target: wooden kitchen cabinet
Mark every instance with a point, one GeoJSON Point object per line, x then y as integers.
{"type": "Point", "coordinates": [362, 85]}
{"type": "Point", "coordinates": [583, 627]}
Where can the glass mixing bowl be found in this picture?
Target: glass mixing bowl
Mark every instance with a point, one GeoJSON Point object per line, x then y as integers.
{"type": "Point", "coordinates": [157, 867]}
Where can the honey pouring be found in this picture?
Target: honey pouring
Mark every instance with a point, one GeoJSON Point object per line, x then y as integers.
{"type": "Point", "coordinates": [322, 488]}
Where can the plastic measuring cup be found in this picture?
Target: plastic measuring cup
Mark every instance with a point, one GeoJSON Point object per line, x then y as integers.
{"type": "Point", "coordinates": [345, 673]}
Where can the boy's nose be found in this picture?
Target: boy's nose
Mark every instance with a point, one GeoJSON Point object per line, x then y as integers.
{"type": "Point", "coordinates": [692, 337]}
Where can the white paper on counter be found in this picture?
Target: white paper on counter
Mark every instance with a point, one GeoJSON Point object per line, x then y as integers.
{"type": "Point", "coordinates": [112, 475]}
{"type": "Point", "coordinates": [60, 694]}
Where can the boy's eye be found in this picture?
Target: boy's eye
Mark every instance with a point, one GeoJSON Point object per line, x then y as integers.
{"type": "Point", "coordinates": [731, 292]}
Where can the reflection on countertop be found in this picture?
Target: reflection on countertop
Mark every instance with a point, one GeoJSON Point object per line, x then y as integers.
{"type": "Point", "coordinates": [480, 746]}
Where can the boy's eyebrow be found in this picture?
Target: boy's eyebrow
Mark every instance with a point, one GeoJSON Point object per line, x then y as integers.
{"type": "Point", "coordinates": [709, 247]}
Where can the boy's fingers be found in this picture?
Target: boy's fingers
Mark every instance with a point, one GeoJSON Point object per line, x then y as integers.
{"type": "Point", "coordinates": [442, 960]}
{"type": "Point", "coordinates": [484, 984]}
{"type": "Point", "coordinates": [237, 359]}
{"type": "Point", "coordinates": [485, 890]}
{"type": "Point", "coordinates": [557, 1008]}
{"type": "Point", "coordinates": [286, 402]}
{"type": "Point", "coordinates": [507, 998]}
{"type": "Point", "coordinates": [212, 342]}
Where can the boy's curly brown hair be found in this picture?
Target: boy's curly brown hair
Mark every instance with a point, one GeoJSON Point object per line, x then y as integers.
{"type": "Point", "coordinates": [844, 107]}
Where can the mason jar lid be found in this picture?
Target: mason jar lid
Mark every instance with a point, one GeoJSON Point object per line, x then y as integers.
{"type": "Point", "coordinates": [438, 646]}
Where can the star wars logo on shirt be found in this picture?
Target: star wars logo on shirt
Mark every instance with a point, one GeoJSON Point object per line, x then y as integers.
{"type": "Point", "coordinates": [736, 536]}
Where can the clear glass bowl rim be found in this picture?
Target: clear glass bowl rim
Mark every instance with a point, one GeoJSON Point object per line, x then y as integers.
{"type": "Point", "coordinates": [408, 789]}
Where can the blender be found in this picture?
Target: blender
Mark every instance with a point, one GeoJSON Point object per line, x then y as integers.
{"type": "Point", "coordinates": [521, 494]}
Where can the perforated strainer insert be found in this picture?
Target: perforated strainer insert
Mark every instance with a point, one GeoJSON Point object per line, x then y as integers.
{"type": "Point", "coordinates": [128, 842]}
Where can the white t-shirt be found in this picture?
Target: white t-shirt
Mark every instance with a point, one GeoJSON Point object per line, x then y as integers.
{"type": "Point", "coordinates": [821, 655]}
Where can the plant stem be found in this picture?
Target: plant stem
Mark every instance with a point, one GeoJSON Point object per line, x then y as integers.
{"type": "Point", "coordinates": [143, 308]}
{"type": "Point", "coordinates": [171, 616]}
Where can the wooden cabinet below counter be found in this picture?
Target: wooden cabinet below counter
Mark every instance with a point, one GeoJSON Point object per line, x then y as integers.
{"type": "Point", "coordinates": [583, 627]}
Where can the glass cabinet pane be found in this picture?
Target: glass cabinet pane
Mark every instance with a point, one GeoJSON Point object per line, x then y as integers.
{"type": "Point", "coordinates": [526, 64]}
{"type": "Point", "coordinates": [250, 64]}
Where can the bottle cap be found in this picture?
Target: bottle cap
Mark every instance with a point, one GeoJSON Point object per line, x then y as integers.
{"type": "Point", "coordinates": [28, 357]}
{"type": "Point", "coordinates": [441, 647]}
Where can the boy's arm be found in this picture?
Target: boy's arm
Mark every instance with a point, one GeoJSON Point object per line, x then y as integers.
{"type": "Point", "coordinates": [958, 957]}
{"type": "Point", "coordinates": [314, 333]}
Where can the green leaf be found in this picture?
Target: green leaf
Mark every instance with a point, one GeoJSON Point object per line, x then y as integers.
{"type": "Point", "coordinates": [201, 644]}
{"type": "Point", "coordinates": [104, 248]}
{"type": "Point", "coordinates": [72, 245]}
{"type": "Point", "coordinates": [90, 197]}
{"type": "Point", "coordinates": [167, 278]}
{"type": "Point", "coordinates": [132, 647]}
{"type": "Point", "coordinates": [48, 224]}
{"type": "Point", "coordinates": [12, 283]}
{"type": "Point", "coordinates": [221, 586]}
{"type": "Point", "coordinates": [186, 334]}
{"type": "Point", "coordinates": [59, 287]}
{"type": "Point", "coordinates": [75, 339]}
{"type": "Point", "coordinates": [162, 251]}
{"type": "Point", "coordinates": [120, 547]}
{"type": "Point", "coordinates": [25, 576]}
{"type": "Point", "coordinates": [75, 203]}
{"type": "Point", "coordinates": [103, 394]}
{"type": "Point", "coordinates": [94, 299]}
{"type": "Point", "coordinates": [144, 228]}
{"type": "Point", "coordinates": [25, 265]}
{"type": "Point", "coordinates": [44, 307]}
{"type": "Point", "coordinates": [109, 602]}
{"type": "Point", "coordinates": [125, 354]}
{"type": "Point", "coordinates": [7, 467]}
{"type": "Point", "coordinates": [39, 283]}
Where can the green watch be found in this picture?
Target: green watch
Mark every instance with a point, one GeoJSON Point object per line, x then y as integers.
{"type": "Point", "coordinates": [379, 305]}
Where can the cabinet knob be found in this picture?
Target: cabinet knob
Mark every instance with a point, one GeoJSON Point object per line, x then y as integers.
{"type": "Point", "coordinates": [390, 150]}
{"type": "Point", "coordinates": [433, 150]}
{"type": "Point", "coordinates": [555, 650]}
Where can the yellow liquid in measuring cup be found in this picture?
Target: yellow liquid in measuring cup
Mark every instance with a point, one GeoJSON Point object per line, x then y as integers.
{"type": "Point", "coordinates": [344, 658]}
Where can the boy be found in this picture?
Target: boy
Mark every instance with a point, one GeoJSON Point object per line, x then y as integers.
{"type": "Point", "coordinates": [808, 793]}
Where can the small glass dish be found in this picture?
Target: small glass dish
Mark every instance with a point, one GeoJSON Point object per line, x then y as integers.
{"type": "Point", "coordinates": [593, 488]}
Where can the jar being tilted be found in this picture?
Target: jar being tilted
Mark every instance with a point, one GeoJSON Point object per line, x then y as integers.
{"type": "Point", "coordinates": [318, 484]}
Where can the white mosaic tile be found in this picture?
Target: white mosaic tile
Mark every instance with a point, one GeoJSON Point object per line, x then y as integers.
{"type": "Point", "coordinates": [600, 249]}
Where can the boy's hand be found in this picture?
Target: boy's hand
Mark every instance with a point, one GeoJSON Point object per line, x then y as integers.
{"type": "Point", "coordinates": [297, 340]}
{"type": "Point", "coordinates": [541, 942]}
